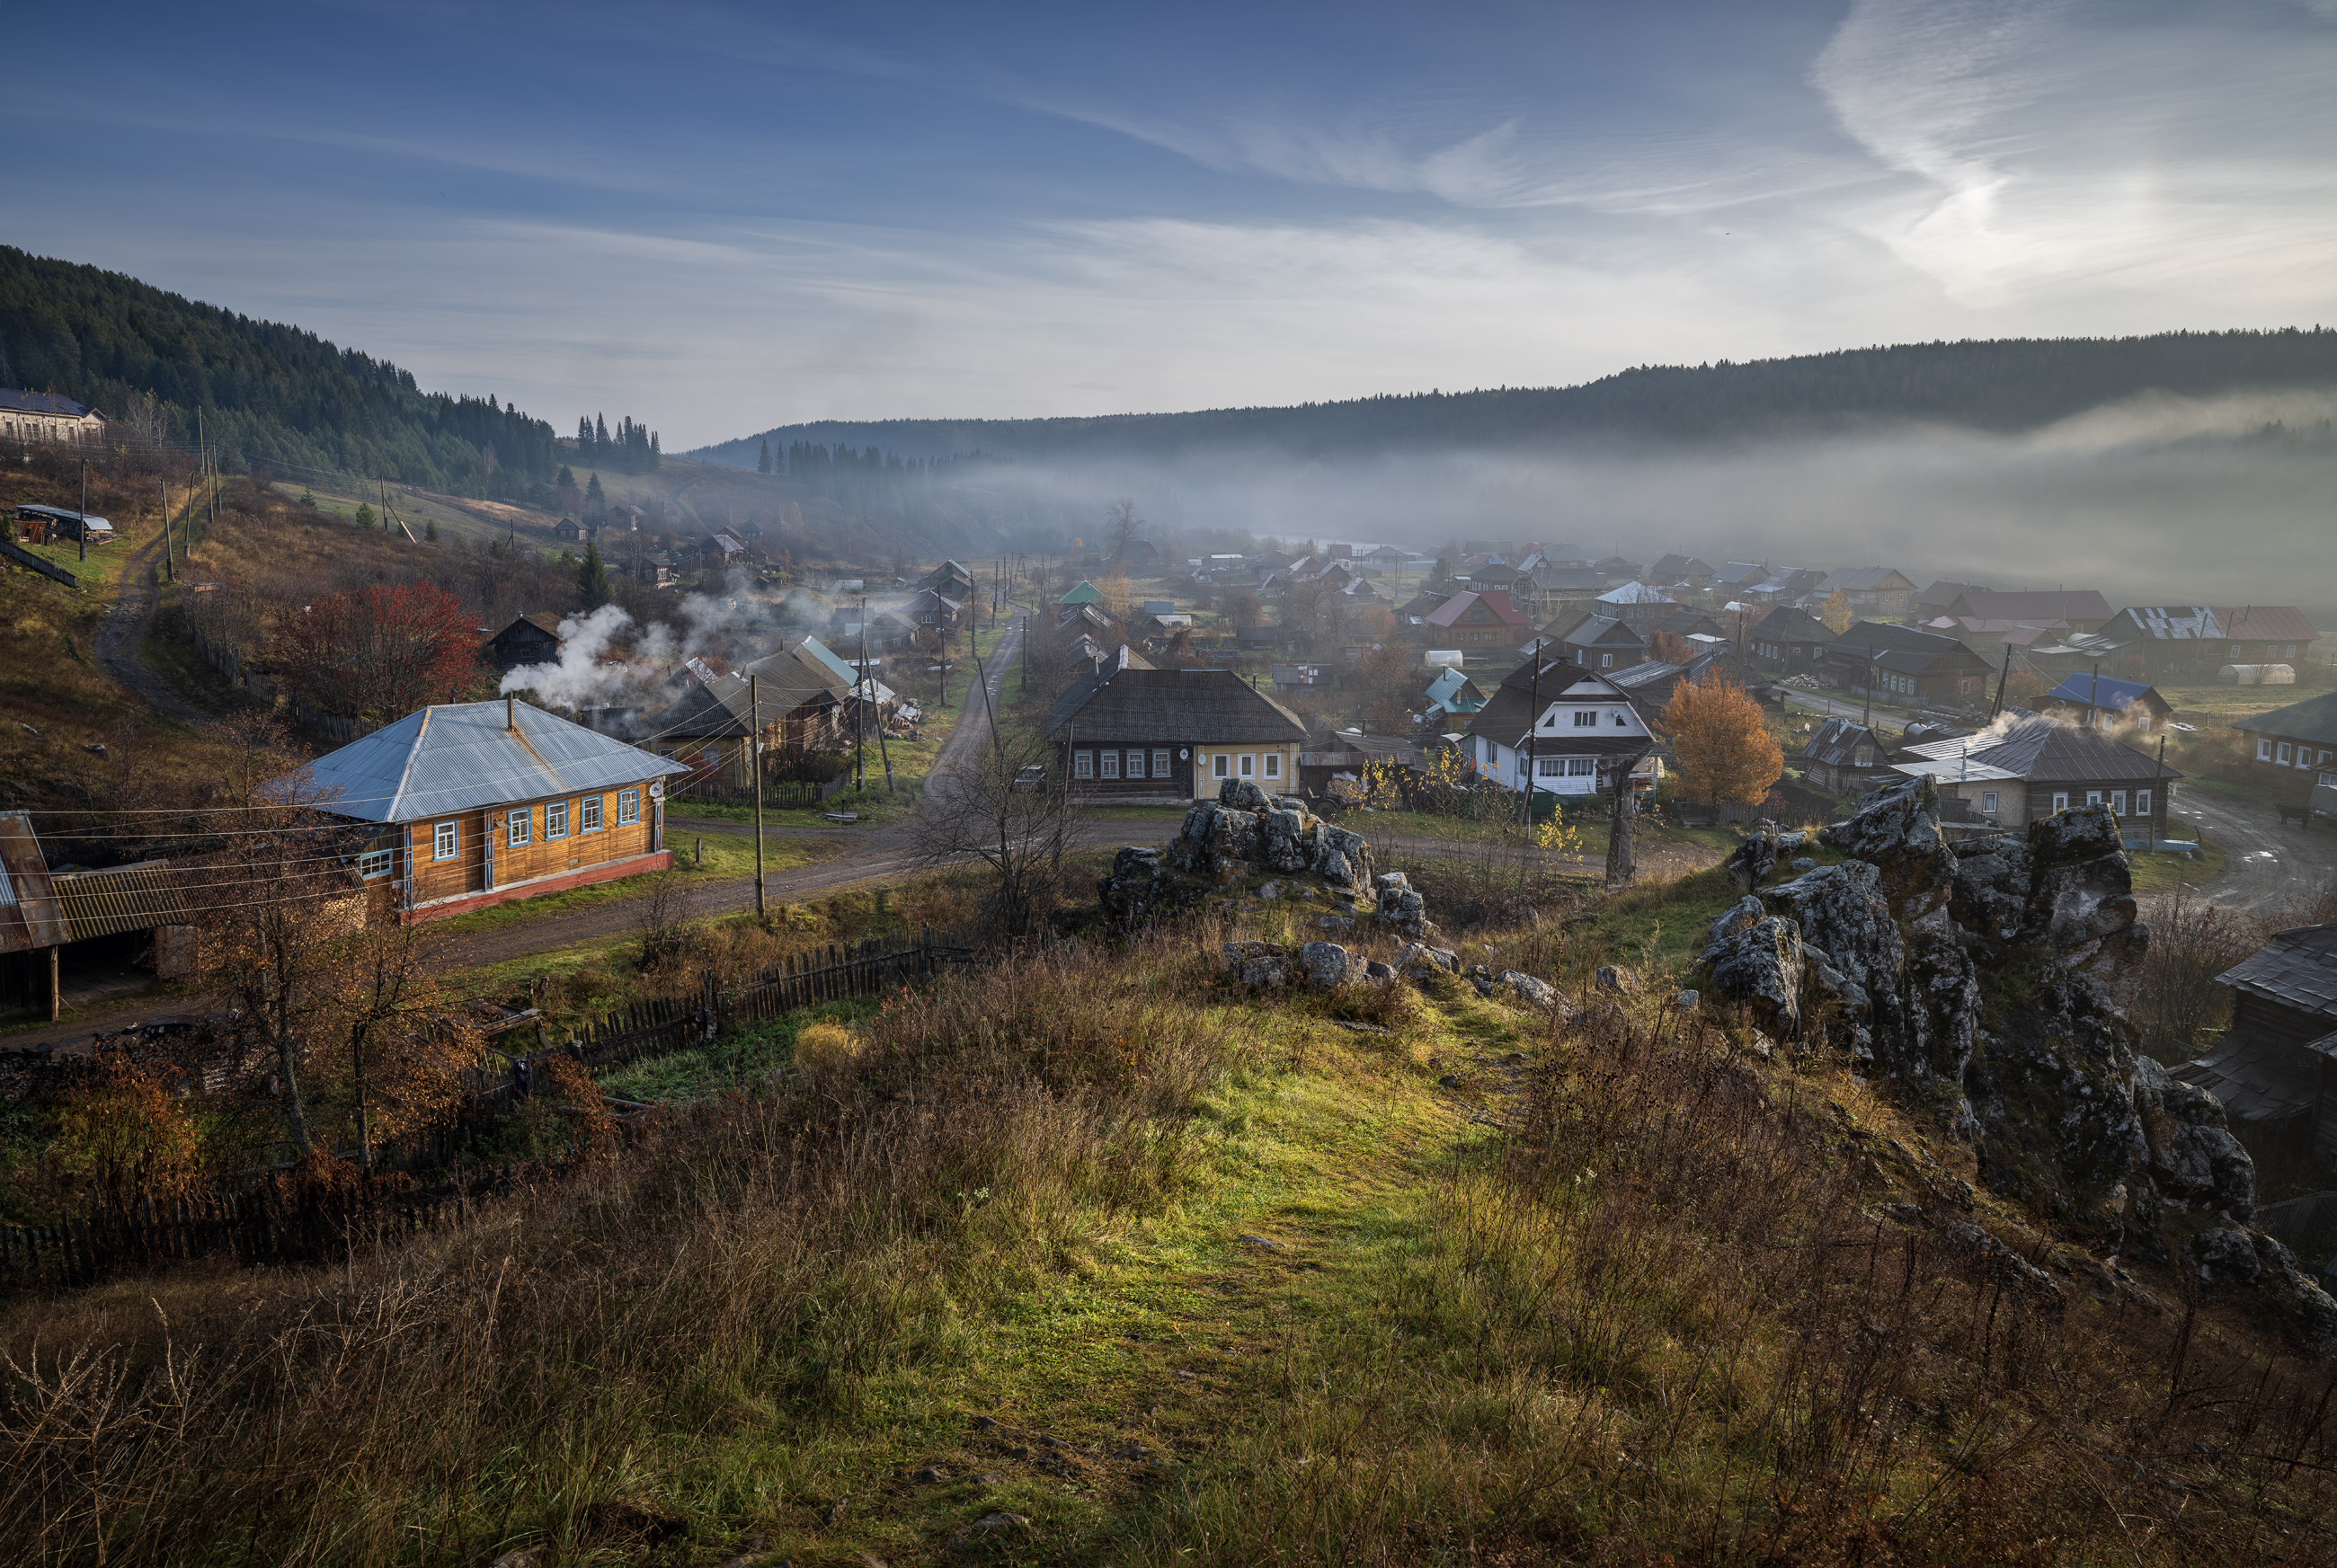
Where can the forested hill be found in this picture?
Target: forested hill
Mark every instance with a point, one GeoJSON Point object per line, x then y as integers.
{"type": "Point", "coordinates": [2005, 385]}
{"type": "Point", "coordinates": [270, 393]}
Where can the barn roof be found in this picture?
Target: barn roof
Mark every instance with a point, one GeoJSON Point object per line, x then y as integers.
{"type": "Point", "coordinates": [2297, 969]}
{"type": "Point", "coordinates": [459, 756]}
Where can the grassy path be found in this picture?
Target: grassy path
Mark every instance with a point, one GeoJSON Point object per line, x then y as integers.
{"type": "Point", "coordinates": [1080, 1398]}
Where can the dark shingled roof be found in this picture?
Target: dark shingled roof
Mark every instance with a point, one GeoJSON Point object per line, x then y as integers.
{"type": "Point", "coordinates": [2297, 969]}
{"type": "Point", "coordinates": [1791, 625]}
{"type": "Point", "coordinates": [1836, 743]}
{"type": "Point", "coordinates": [2315, 719]}
{"type": "Point", "coordinates": [1206, 707]}
{"type": "Point", "coordinates": [1910, 650]}
{"type": "Point", "coordinates": [1509, 713]}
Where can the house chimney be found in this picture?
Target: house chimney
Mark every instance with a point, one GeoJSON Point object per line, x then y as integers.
{"type": "Point", "coordinates": [511, 713]}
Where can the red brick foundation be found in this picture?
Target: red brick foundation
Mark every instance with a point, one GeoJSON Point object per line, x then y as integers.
{"type": "Point", "coordinates": [584, 876]}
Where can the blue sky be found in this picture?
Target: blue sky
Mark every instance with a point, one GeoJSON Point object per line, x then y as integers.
{"type": "Point", "coordinates": [723, 218]}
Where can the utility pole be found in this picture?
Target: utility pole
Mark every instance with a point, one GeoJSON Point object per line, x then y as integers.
{"type": "Point", "coordinates": [755, 761]}
{"type": "Point", "coordinates": [860, 704]}
{"type": "Point", "coordinates": [84, 529]}
{"type": "Point", "coordinates": [1866, 714]}
{"type": "Point", "coordinates": [170, 566]}
{"type": "Point", "coordinates": [2093, 697]}
{"type": "Point", "coordinates": [2003, 677]}
{"type": "Point", "coordinates": [1533, 731]}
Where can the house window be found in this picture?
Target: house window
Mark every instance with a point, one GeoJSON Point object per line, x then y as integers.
{"type": "Point", "coordinates": [1550, 767]}
{"type": "Point", "coordinates": [2290, 652]}
{"type": "Point", "coordinates": [1580, 766]}
{"type": "Point", "coordinates": [520, 824]}
{"type": "Point", "coordinates": [1161, 764]}
{"type": "Point", "coordinates": [1136, 764]}
{"type": "Point", "coordinates": [629, 807]}
{"type": "Point", "coordinates": [446, 837]}
{"type": "Point", "coordinates": [1249, 765]}
{"type": "Point", "coordinates": [2142, 803]}
{"type": "Point", "coordinates": [374, 863]}
{"type": "Point", "coordinates": [1620, 722]}
{"type": "Point", "coordinates": [555, 820]}
{"type": "Point", "coordinates": [2281, 755]}
{"type": "Point", "coordinates": [2143, 724]}
{"type": "Point", "coordinates": [588, 814]}
{"type": "Point", "coordinates": [2264, 749]}
{"type": "Point", "coordinates": [2235, 650]}
{"type": "Point", "coordinates": [2060, 800]}
{"type": "Point", "coordinates": [2093, 798]}
{"type": "Point", "coordinates": [1988, 802]}
{"type": "Point", "coordinates": [2324, 754]}
{"type": "Point", "coordinates": [1083, 765]}
{"type": "Point", "coordinates": [1606, 660]}
{"type": "Point", "coordinates": [1111, 763]}
{"type": "Point", "coordinates": [1218, 766]}
{"type": "Point", "coordinates": [1586, 718]}
{"type": "Point", "coordinates": [2118, 803]}
{"type": "Point", "coordinates": [1274, 765]}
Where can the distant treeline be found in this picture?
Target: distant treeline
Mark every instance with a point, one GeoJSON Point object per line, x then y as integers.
{"type": "Point", "coordinates": [270, 395]}
{"type": "Point", "coordinates": [2003, 386]}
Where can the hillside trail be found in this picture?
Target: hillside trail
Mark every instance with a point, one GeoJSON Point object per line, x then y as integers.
{"type": "Point", "coordinates": [137, 596]}
{"type": "Point", "coordinates": [1169, 1341]}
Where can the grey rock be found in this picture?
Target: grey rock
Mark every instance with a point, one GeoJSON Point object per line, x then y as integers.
{"type": "Point", "coordinates": [991, 1523]}
{"type": "Point", "coordinates": [1752, 860]}
{"type": "Point", "coordinates": [1804, 863]}
{"type": "Point", "coordinates": [930, 1476]}
{"type": "Point", "coordinates": [1334, 923]}
{"type": "Point", "coordinates": [1270, 890]}
{"type": "Point", "coordinates": [1324, 964]}
{"type": "Point", "coordinates": [1242, 796]}
{"type": "Point", "coordinates": [522, 1558]}
{"type": "Point", "coordinates": [1527, 988]}
{"type": "Point", "coordinates": [1614, 977]}
{"type": "Point", "coordinates": [1756, 958]}
{"type": "Point", "coordinates": [1377, 970]}
{"type": "Point", "coordinates": [1271, 972]}
{"type": "Point", "coordinates": [1266, 1243]}
{"type": "Point", "coordinates": [1449, 1081]}
{"type": "Point", "coordinates": [1687, 1001]}
{"type": "Point", "coordinates": [1419, 960]}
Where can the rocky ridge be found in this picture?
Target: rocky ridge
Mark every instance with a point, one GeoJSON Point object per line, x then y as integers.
{"type": "Point", "coordinates": [1985, 981]}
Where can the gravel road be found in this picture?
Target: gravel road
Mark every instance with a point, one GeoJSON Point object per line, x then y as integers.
{"type": "Point", "coordinates": [2268, 868]}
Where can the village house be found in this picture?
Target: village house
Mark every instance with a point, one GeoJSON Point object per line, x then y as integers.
{"type": "Point", "coordinates": [2107, 704]}
{"type": "Point", "coordinates": [1681, 569]}
{"type": "Point", "coordinates": [1685, 623]}
{"type": "Point", "coordinates": [2082, 608]}
{"type": "Point", "coordinates": [1541, 590]}
{"type": "Point", "coordinates": [1844, 757]}
{"type": "Point", "coordinates": [885, 632]}
{"type": "Point", "coordinates": [1651, 683]}
{"type": "Point", "coordinates": [801, 703]}
{"type": "Point", "coordinates": [1788, 640]}
{"type": "Point", "coordinates": [1135, 735]}
{"type": "Point", "coordinates": [1292, 678]}
{"type": "Point", "coordinates": [933, 612]}
{"type": "Point", "coordinates": [2192, 643]}
{"type": "Point", "coordinates": [1616, 568]}
{"type": "Point", "coordinates": [1635, 604]}
{"type": "Point", "coordinates": [1906, 663]}
{"type": "Point", "coordinates": [1870, 590]}
{"type": "Point", "coordinates": [1578, 728]}
{"type": "Point", "coordinates": [2291, 747]}
{"type": "Point", "coordinates": [1782, 587]}
{"type": "Point", "coordinates": [2272, 1071]}
{"type": "Point", "coordinates": [533, 638]}
{"type": "Point", "coordinates": [484, 803]}
{"type": "Point", "coordinates": [1935, 600]}
{"type": "Point", "coordinates": [1478, 621]}
{"type": "Point", "coordinates": [1594, 641]}
{"type": "Point", "coordinates": [2033, 766]}
{"type": "Point", "coordinates": [567, 529]}
{"type": "Point", "coordinates": [1452, 692]}
{"type": "Point", "coordinates": [46, 416]}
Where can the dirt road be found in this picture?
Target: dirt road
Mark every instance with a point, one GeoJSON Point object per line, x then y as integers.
{"type": "Point", "coordinates": [123, 633]}
{"type": "Point", "coordinates": [2268, 869]}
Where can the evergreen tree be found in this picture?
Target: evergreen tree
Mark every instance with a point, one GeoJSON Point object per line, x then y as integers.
{"type": "Point", "coordinates": [584, 435]}
{"type": "Point", "coordinates": [596, 501]}
{"type": "Point", "coordinates": [567, 481]}
{"type": "Point", "coordinates": [656, 456]}
{"type": "Point", "coordinates": [365, 515]}
{"type": "Point", "coordinates": [430, 530]}
{"type": "Point", "coordinates": [600, 439]}
{"type": "Point", "coordinates": [593, 576]}
{"type": "Point", "coordinates": [763, 461]}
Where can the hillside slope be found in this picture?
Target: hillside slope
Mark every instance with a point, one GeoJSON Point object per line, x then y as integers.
{"type": "Point", "coordinates": [2002, 386]}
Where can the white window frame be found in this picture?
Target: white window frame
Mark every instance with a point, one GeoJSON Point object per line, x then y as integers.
{"type": "Point", "coordinates": [555, 820]}
{"type": "Point", "coordinates": [629, 807]}
{"type": "Point", "coordinates": [1084, 765]}
{"type": "Point", "coordinates": [1586, 718]}
{"type": "Point", "coordinates": [377, 863]}
{"type": "Point", "coordinates": [1550, 767]}
{"type": "Point", "coordinates": [1107, 765]}
{"type": "Point", "coordinates": [2280, 753]}
{"type": "Point", "coordinates": [2235, 650]}
{"type": "Point", "coordinates": [2093, 798]}
{"type": "Point", "coordinates": [518, 826]}
{"type": "Point", "coordinates": [1159, 765]}
{"type": "Point", "coordinates": [1987, 802]}
{"type": "Point", "coordinates": [2060, 800]}
{"type": "Point", "coordinates": [588, 814]}
{"type": "Point", "coordinates": [2264, 749]}
{"type": "Point", "coordinates": [445, 841]}
{"type": "Point", "coordinates": [1274, 765]}
{"type": "Point", "coordinates": [2142, 803]}
{"type": "Point", "coordinates": [1249, 765]}
{"type": "Point", "coordinates": [2118, 803]}
{"type": "Point", "coordinates": [1220, 765]}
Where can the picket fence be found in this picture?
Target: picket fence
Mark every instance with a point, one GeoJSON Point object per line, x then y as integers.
{"type": "Point", "coordinates": [264, 1227]}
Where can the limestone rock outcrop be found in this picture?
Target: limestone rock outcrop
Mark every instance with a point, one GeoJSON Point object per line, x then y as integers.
{"type": "Point", "coordinates": [1242, 834]}
{"type": "Point", "coordinates": [1986, 981]}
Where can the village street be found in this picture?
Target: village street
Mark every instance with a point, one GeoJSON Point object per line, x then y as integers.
{"type": "Point", "coordinates": [2269, 869]}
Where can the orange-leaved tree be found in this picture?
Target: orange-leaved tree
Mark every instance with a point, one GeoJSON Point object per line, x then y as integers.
{"type": "Point", "coordinates": [1669, 646]}
{"type": "Point", "coordinates": [379, 653]}
{"type": "Point", "coordinates": [1835, 614]}
{"type": "Point", "coordinates": [1723, 744]}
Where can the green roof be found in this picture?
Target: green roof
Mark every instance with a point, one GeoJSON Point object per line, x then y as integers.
{"type": "Point", "coordinates": [1084, 594]}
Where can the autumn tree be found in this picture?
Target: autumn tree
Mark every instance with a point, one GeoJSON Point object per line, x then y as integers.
{"type": "Point", "coordinates": [1243, 608]}
{"type": "Point", "coordinates": [1723, 744]}
{"type": "Point", "coordinates": [1120, 523]}
{"type": "Point", "coordinates": [1114, 588]}
{"type": "Point", "coordinates": [378, 653]}
{"type": "Point", "coordinates": [1669, 646]}
{"type": "Point", "coordinates": [1835, 614]}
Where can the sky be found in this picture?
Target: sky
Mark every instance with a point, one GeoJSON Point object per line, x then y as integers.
{"type": "Point", "coordinates": [718, 218]}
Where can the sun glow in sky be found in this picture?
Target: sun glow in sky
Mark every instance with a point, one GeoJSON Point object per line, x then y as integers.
{"type": "Point", "coordinates": [722, 218]}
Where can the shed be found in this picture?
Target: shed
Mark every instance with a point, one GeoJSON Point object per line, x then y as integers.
{"type": "Point", "coordinates": [533, 638]}
{"type": "Point", "coordinates": [2273, 1071]}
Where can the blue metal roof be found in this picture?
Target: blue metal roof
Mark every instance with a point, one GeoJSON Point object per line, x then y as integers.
{"type": "Point", "coordinates": [458, 756]}
{"type": "Point", "coordinates": [2114, 694]}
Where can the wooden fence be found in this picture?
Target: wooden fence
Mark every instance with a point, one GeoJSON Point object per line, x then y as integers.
{"type": "Point", "coordinates": [262, 1227]}
{"type": "Point", "coordinates": [31, 562]}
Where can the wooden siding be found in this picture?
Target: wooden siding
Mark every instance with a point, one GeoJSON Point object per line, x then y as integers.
{"type": "Point", "coordinates": [483, 837]}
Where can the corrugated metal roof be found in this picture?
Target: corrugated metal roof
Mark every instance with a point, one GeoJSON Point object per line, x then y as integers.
{"type": "Point", "coordinates": [126, 899]}
{"type": "Point", "coordinates": [458, 756]}
{"type": "Point", "coordinates": [29, 916]}
{"type": "Point", "coordinates": [19, 400]}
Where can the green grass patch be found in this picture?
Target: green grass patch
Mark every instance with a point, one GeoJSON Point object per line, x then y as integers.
{"type": "Point", "coordinates": [723, 859]}
{"type": "Point", "coordinates": [2157, 873]}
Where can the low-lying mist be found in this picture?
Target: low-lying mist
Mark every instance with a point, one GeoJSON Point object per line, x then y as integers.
{"type": "Point", "coordinates": [2152, 500]}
